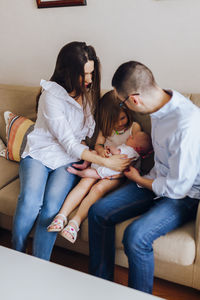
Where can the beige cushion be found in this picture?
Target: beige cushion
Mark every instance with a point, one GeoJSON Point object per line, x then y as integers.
{"type": "Point", "coordinates": [178, 246]}
{"type": "Point", "coordinates": [2, 145]}
{"type": "Point", "coordinates": [8, 198]}
{"type": "Point", "coordinates": [18, 99]}
{"type": "Point", "coordinates": [195, 99]}
{"type": "Point", "coordinates": [8, 171]}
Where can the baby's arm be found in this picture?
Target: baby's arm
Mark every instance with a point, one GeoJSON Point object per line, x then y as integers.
{"type": "Point", "coordinates": [135, 128]}
{"type": "Point", "coordinates": [99, 146]}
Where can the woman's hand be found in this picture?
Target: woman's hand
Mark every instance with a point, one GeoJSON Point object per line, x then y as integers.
{"type": "Point", "coordinates": [118, 162]}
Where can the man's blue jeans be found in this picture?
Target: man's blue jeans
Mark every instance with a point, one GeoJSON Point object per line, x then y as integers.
{"type": "Point", "coordinates": [159, 216]}
{"type": "Point", "coordinates": [42, 192]}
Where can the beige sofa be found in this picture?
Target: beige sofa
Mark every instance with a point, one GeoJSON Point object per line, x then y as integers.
{"type": "Point", "coordinates": [177, 255]}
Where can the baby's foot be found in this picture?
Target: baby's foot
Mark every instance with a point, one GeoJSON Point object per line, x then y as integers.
{"type": "Point", "coordinates": [58, 223]}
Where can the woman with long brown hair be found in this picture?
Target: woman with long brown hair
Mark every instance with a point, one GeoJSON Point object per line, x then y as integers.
{"type": "Point", "coordinates": [65, 118]}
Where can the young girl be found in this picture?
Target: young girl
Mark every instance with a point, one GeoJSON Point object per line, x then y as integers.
{"type": "Point", "coordinates": [65, 118]}
{"type": "Point", "coordinates": [116, 125]}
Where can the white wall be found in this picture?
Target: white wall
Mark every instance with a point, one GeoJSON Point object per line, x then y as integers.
{"type": "Point", "coordinates": [165, 35]}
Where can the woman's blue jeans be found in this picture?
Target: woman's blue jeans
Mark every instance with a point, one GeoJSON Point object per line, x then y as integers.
{"type": "Point", "coordinates": [158, 217]}
{"type": "Point", "coordinates": [42, 193]}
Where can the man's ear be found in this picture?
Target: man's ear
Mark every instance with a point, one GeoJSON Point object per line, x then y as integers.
{"type": "Point", "coordinates": [134, 99]}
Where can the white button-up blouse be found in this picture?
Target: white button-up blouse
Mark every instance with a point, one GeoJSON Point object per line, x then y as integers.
{"type": "Point", "coordinates": [59, 128]}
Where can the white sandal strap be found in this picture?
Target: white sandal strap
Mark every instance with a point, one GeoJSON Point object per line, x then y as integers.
{"type": "Point", "coordinates": [75, 223]}
{"type": "Point", "coordinates": [63, 216]}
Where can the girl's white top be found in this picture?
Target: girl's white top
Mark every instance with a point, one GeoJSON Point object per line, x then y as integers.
{"type": "Point", "coordinates": [59, 128]}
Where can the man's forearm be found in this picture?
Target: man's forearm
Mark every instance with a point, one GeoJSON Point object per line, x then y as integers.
{"type": "Point", "coordinates": [145, 182]}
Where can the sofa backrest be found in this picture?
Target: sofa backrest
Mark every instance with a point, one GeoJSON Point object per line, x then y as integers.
{"type": "Point", "coordinates": [19, 100]}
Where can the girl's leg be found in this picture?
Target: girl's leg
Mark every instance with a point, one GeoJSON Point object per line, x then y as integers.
{"type": "Point", "coordinates": [97, 191]}
{"type": "Point", "coordinates": [89, 172]}
{"type": "Point", "coordinates": [33, 176]}
{"type": "Point", "coordinates": [59, 184]}
{"type": "Point", "coordinates": [73, 200]}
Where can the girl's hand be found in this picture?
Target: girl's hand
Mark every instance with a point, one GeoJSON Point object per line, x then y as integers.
{"type": "Point", "coordinates": [132, 174]}
{"type": "Point", "coordinates": [118, 162]}
{"type": "Point", "coordinates": [104, 152]}
{"type": "Point", "coordinates": [113, 150]}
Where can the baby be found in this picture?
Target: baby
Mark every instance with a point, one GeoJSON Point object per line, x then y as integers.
{"type": "Point", "coordinates": [136, 146]}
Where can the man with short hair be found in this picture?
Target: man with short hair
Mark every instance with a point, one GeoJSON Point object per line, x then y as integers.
{"type": "Point", "coordinates": [167, 197]}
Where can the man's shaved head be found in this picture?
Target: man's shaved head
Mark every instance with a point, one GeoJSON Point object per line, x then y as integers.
{"type": "Point", "coordinates": [133, 77]}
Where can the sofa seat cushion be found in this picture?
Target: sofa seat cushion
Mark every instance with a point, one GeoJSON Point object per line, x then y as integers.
{"type": "Point", "coordinates": [178, 246]}
{"type": "Point", "coordinates": [8, 171]}
{"type": "Point", "coordinates": [8, 198]}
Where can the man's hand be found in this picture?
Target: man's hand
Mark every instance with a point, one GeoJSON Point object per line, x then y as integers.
{"type": "Point", "coordinates": [132, 174]}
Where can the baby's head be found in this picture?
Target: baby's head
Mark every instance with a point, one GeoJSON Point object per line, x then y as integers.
{"type": "Point", "coordinates": [141, 142]}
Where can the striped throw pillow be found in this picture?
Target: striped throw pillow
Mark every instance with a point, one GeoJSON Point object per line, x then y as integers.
{"type": "Point", "coordinates": [17, 129]}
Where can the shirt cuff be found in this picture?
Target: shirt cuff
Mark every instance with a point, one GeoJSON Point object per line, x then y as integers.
{"type": "Point", "coordinates": [157, 186]}
{"type": "Point", "coordinates": [78, 150]}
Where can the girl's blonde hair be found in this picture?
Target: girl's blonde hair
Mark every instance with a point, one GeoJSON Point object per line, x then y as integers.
{"type": "Point", "coordinates": [108, 113]}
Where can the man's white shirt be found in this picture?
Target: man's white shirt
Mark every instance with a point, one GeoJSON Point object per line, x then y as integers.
{"type": "Point", "coordinates": [176, 141]}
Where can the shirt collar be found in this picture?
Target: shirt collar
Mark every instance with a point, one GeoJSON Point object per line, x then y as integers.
{"type": "Point", "coordinates": [58, 91]}
{"type": "Point", "coordinates": [168, 107]}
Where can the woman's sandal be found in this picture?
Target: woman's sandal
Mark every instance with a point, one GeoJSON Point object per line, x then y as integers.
{"type": "Point", "coordinates": [70, 232]}
{"type": "Point", "coordinates": [57, 224]}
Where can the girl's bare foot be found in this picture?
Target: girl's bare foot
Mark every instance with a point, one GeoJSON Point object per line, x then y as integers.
{"type": "Point", "coordinates": [91, 173]}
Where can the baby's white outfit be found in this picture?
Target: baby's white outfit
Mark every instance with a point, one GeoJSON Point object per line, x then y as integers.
{"type": "Point", "coordinates": [106, 172]}
{"type": "Point", "coordinates": [118, 141]}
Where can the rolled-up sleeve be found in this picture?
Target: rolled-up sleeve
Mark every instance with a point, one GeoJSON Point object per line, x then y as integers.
{"type": "Point", "coordinates": [61, 128]}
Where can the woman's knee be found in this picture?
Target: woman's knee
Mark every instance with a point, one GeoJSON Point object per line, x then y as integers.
{"type": "Point", "coordinates": [29, 201]}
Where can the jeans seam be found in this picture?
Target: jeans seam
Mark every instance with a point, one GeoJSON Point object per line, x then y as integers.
{"type": "Point", "coordinates": [122, 207]}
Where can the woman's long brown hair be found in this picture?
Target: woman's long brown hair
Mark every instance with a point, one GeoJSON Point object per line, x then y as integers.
{"type": "Point", "coordinates": [70, 68]}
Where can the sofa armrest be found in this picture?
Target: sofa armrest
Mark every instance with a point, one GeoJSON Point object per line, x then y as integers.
{"type": "Point", "coordinates": [197, 235]}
